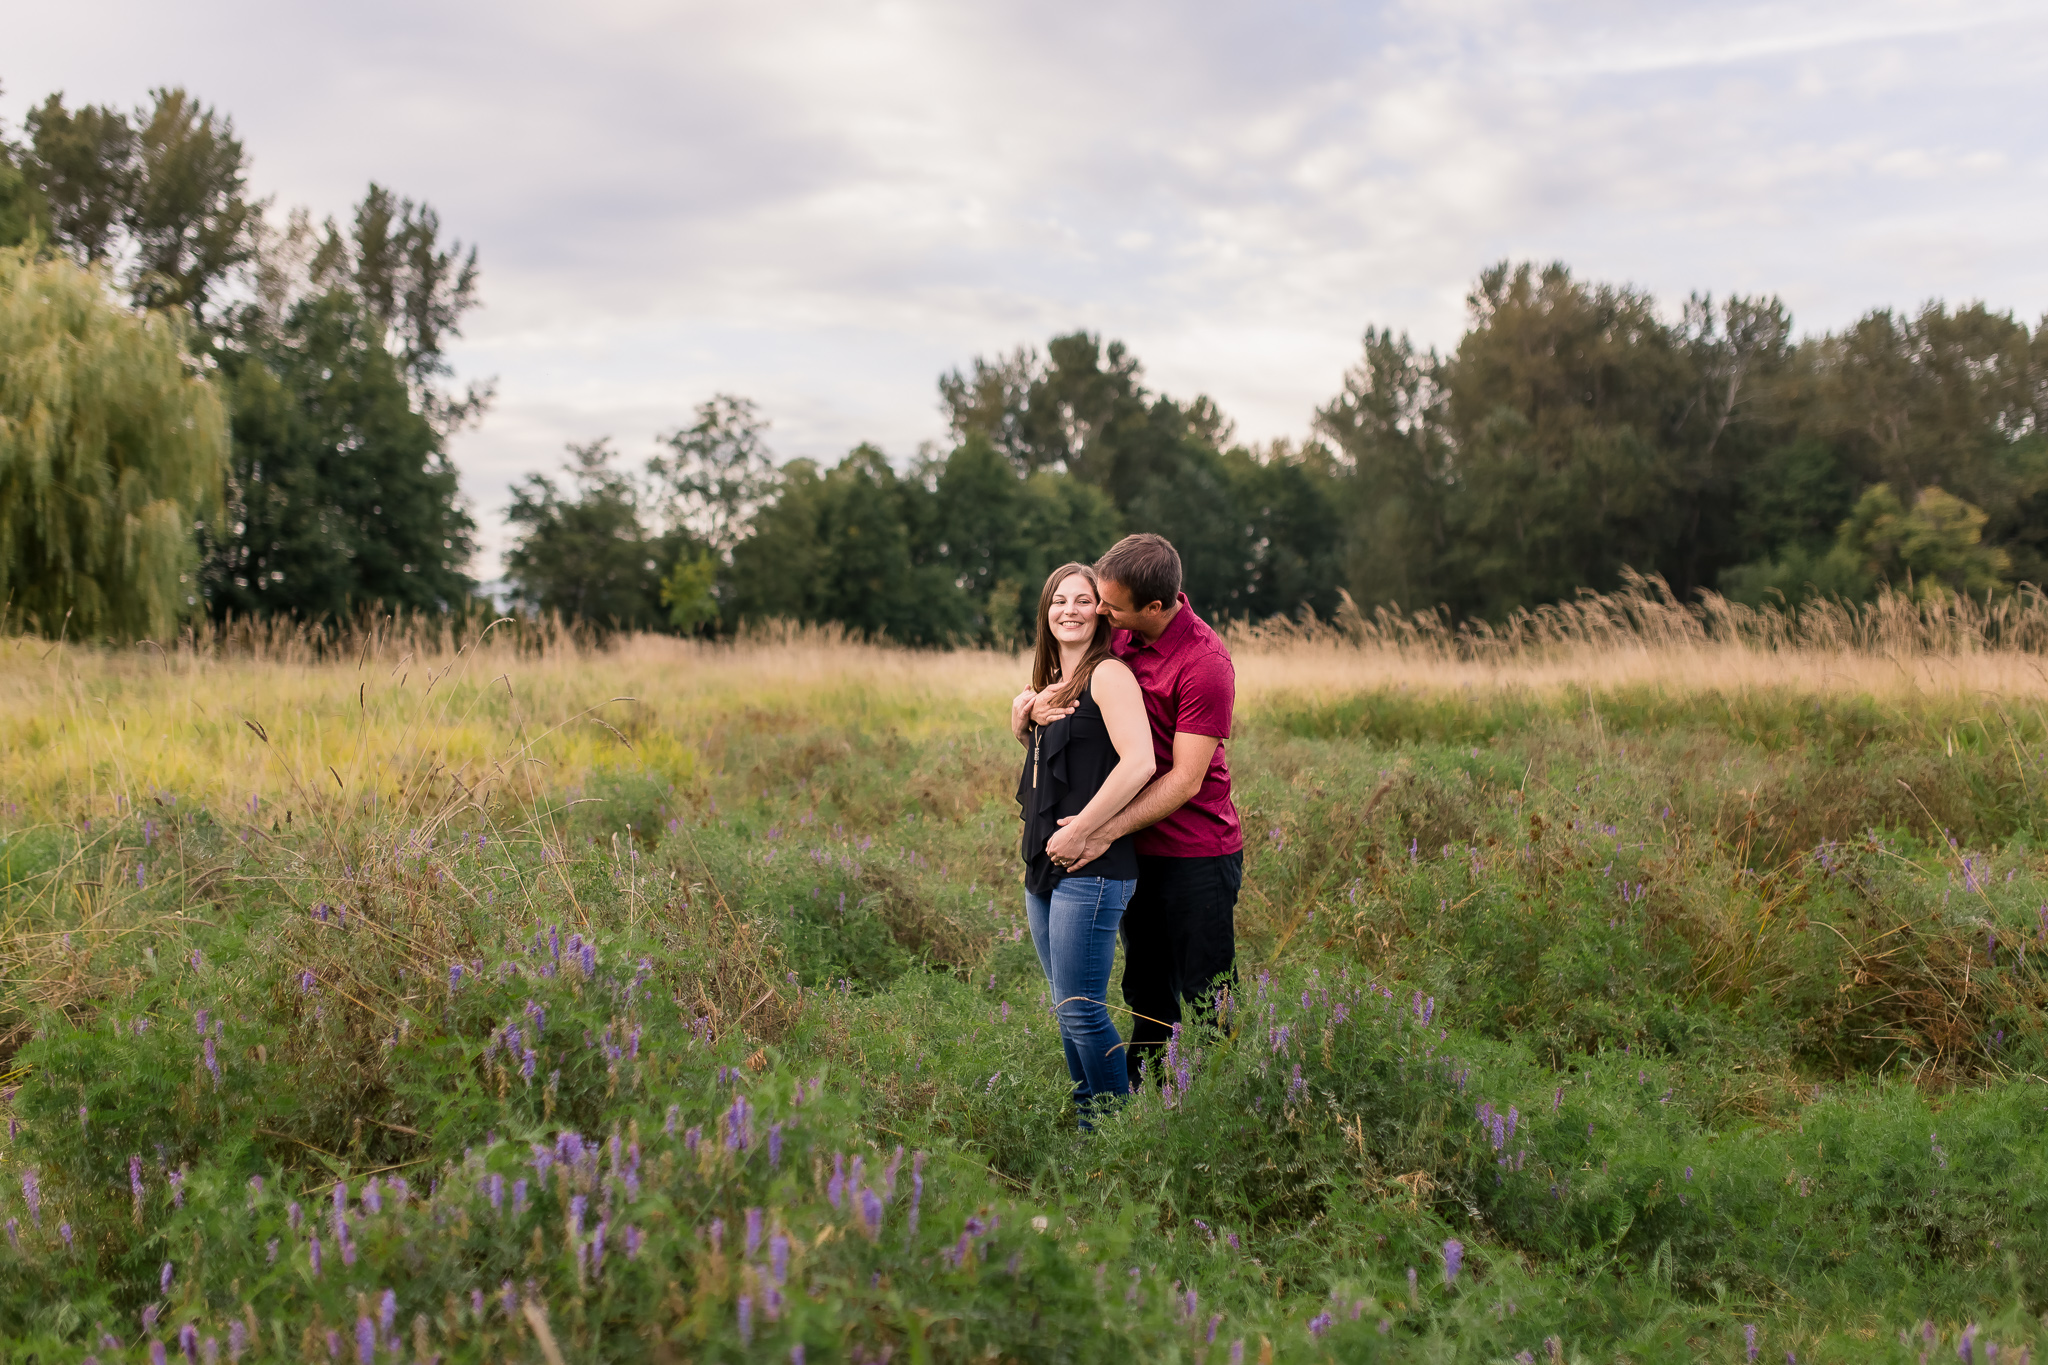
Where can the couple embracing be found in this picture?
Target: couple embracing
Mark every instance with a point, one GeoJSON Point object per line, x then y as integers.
{"type": "Point", "coordinates": [1128, 822]}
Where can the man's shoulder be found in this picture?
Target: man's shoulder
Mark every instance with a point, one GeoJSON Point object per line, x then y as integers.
{"type": "Point", "coordinates": [1201, 637]}
{"type": "Point", "coordinates": [1204, 647]}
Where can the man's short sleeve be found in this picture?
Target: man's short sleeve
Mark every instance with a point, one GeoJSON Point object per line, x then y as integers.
{"type": "Point", "coordinates": [1208, 692]}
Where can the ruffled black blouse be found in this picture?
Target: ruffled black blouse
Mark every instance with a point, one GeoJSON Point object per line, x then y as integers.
{"type": "Point", "coordinates": [1065, 765]}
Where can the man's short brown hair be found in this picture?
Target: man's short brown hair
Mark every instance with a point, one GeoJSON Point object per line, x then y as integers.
{"type": "Point", "coordinates": [1147, 565]}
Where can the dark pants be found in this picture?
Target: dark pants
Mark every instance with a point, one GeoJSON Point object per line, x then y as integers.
{"type": "Point", "coordinates": [1180, 944]}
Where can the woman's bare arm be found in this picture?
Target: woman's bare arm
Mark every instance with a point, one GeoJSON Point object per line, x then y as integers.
{"type": "Point", "coordinates": [1123, 712]}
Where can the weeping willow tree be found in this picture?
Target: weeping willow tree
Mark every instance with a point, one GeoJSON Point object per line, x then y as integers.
{"type": "Point", "coordinates": [111, 447]}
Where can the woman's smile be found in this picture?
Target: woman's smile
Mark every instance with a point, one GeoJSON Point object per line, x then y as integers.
{"type": "Point", "coordinates": [1073, 612]}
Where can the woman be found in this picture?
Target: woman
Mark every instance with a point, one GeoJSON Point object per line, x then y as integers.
{"type": "Point", "coordinates": [1084, 768]}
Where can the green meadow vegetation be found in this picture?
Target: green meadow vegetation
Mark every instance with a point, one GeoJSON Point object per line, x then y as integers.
{"type": "Point", "coordinates": [415, 999]}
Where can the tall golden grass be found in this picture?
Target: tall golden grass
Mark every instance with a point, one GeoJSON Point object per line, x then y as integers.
{"type": "Point", "coordinates": [388, 704]}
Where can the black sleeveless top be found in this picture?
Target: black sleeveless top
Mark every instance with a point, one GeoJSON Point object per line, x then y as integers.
{"type": "Point", "coordinates": [1066, 764]}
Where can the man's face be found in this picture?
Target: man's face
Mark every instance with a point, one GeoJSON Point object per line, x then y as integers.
{"type": "Point", "coordinates": [1116, 605]}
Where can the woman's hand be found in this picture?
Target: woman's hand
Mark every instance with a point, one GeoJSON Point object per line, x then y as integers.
{"type": "Point", "coordinates": [1020, 712]}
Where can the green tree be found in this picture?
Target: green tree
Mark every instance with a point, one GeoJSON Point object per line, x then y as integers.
{"type": "Point", "coordinates": [998, 533]}
{"type": "Point", "coordinates": [392, 261]}
{"type": "Point", "coordinates": [343, 495]}
{"type": "Point", "coordinates": [690, 592]}
{"type": "Point", "coordinates": [1292, 500]}
{"type": "Point", "coordinates": [839, 545]}
{"type": "Point", "coordinates": [24, 212]}
{"type": "Point", "coordinates": [187, 215]}
{"type": "Point", "coordinates": [717, 471]}
{"type": "Point", "coordinates": [1573, 433]}
{"type": "Point", "coordinates": [1083, 411]}
{"type": "Point", "coordinates": [85, 165]}
{"type": "Point", "coordinates": [1930, 550]}
{"type": "Point", "coordinates": [1063, 412]}
{"type": "Point", "coordinates": [1388, 428]}
{"type": "Point", "coordinates": [1928, 399]}
{"type": "Point", "coordinates": [586, 551]}
{"type": "Point", "coordinates": [110, 446]}
{"type": "Point", "coordinates": [163, 194]}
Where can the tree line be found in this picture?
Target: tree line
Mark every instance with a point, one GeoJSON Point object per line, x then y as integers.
{"type": "Point", "coordinates": [203, 412]}
{"type": "Point", "coordinates": [1575, 432]}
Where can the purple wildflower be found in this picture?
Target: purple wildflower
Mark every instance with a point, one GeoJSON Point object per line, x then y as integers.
{"type": "Point", "coordinates": [387, 1312]}
{"type": "Point", "coordinates": [163, 1279]}
{"type": "Point", "coordinates": [32, 1195]}
{"type": "Point", "coordinates": [238, 1339]}
{"type": "Point", "coordinates": [135, 1180]}
{"type": "Point", "coordinates": [518, 1196]}
{"type": "Point", "coordinates": [746, 1314]}
{"type": "Point", "coordinates": [366, 1341]}
{"type": "Point", "coordinates": [837, 1185]}
{"type": "Point", "coordinates": [871, 1210]}
{"type": "Point", "coordinates": [1749, 1342]}
{"type": "Point", "coordinates": [454, 976]}
{"type": "Point", "coordinates": [778, 1257]}
{"type": "Point", "coordinates": [1319, 1324]}
{"type": "Point", "coordinates": [1454, 1257]}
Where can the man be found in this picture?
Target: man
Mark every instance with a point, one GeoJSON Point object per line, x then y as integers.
{"type": "Point", "coordinates": [1179, 931]}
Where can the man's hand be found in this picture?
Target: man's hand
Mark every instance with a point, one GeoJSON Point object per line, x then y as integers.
{"type": "Point", "coordinates": [1045, 713]}
{"type": "Point", "coordinates": [1020, 712]}
{"type": "Point", "coordinates": [1072, 848]}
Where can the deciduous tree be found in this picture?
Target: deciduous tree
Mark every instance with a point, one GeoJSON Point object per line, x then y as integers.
{"type": "Point", "coordinates": [111, 444]}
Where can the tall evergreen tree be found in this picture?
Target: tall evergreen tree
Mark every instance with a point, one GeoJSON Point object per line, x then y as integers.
{"type": "Point", "coordinates": [343, 495]}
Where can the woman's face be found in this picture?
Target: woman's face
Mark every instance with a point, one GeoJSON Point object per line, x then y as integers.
{"type": "Point", "coordinates": [1073, 611]}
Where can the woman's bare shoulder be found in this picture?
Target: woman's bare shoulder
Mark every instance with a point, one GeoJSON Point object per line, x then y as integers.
{"type": "Point", "coordinates": [1117, 674]}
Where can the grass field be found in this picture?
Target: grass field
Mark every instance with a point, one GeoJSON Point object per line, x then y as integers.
{"type": "Point", "coordinates": [1612, 988]}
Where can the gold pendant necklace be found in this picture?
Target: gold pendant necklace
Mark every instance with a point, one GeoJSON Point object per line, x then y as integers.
{"type": "Point", "coordinates": [1037, 733]}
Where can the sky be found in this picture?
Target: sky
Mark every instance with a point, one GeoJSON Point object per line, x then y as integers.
{"type": "Point", "coordinates": [824, 206]}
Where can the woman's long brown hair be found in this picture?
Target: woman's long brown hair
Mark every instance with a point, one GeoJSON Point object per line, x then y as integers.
{"type": "Point", "coordinates": [1045, 659]}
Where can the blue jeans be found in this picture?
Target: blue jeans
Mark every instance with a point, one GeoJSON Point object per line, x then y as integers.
{"type": "Point", "coordinates": [1075, 932]}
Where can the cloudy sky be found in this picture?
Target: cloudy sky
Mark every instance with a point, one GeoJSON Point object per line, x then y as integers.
{"type": "Point", "coordinates": [822, 206]}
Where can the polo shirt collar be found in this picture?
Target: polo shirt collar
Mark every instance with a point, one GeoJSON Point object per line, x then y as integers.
{"type": "Point", "coordinates": [1176, 633]}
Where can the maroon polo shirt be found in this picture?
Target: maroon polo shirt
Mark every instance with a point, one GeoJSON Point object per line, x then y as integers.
{"type": "Point", "coordinates": [1190, 685]}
